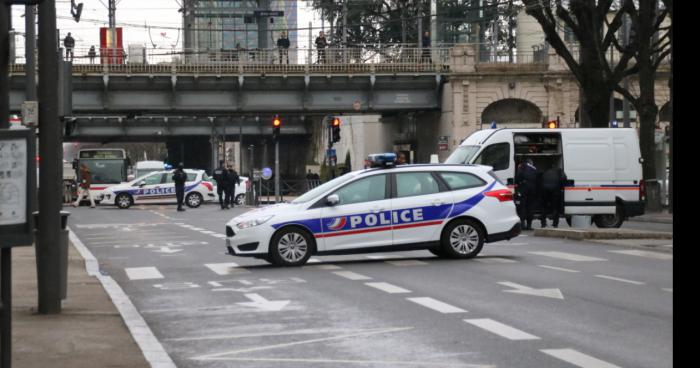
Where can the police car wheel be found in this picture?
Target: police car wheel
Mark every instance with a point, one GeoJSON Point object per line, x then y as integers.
{"type": "Point", "coordinates": [193, 200]}
{"type": "Point", "coordinates": [240, 199]}
{"type": "Point", "coordinates": [290, 247]}
{"type": "Point", "coordinates": [462, 239]}
{"type": "Point", "coordinates": [123, 201]}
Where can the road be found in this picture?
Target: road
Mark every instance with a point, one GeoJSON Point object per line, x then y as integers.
{"type": "Point", "coordinates": [531, 302]}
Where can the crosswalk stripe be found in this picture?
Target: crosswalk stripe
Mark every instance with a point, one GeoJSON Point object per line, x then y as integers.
{"type": "Point", "coordinates": [501, 329]}
{"type": "Point", "coordinates": [436, 305]}
{"type": "Point", "coordinates": [352, 275]}
{"type": "Point", "coordinates": [143, 273]}
{"type": "Point", "coordinates": [644, 253]}
{"type": "Point", "coordinates": [578, 359]}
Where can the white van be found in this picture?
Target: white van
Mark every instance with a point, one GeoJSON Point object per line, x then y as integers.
{"type": "Point", "coordinates": [603, 166]}
{"type": "Point", "coordinates": [144, 167]}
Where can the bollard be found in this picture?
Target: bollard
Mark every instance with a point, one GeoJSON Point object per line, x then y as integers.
{"type": "Point", "coordinates": [581, 221]}
{"type": "Point", "coordinates": [62, 251]}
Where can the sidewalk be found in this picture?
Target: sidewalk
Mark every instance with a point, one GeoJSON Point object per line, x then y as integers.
{"type": "Point", "coordinates": [661, 241]}
{"type": "Point", "coordinates": [89, 332]}
{"type": "Point", "coordinates": [662, 217]}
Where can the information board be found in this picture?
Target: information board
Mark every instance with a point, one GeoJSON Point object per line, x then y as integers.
{"type": "Point", "coordinates": [17, 186]}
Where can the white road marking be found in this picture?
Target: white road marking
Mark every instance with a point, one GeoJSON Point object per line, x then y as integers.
{"type": "Point", "coordinates": [262, 304]}
{"type": "Point", "coordinates": [378, 256]}
{"type": "Point", "coordinates": [619, 279]}
{"type": "Point", "coordinates": [488, 259]}
{"type": "Point", "coordinates": [411, 262]}
{"type": "Point", "coordinates": [501, 329]}
{"type": "Point", "coordinates": [223, 269]}
{"type": "Point", "coordinates": [670, 290]}
{"type": "Point", "coordinates": [352, 275]}
{"type": "Point", "coordinates": [387, 287]}
{"type": "Point", "coordinates": [559, 268]}
{"type": "Point", "coordinates": [215, 284]}
{"type": "Point", "coordinates": [644, 253]}
{"type": "Point", "coordinates": [324, 267]}
{"type": "Point", "coordinates": [526, 290]}
{"type": "Point", "coordinates": [221, 356]}
{"type": "Point", "coordinates": [578, 359]}
{"type": "Point", "coordinates": [388, 363]}
{"type": "Point", "coordinates": [436, 305]}
{"type": "Point", "coordinates": [569, 256]}
{"type": "Point", "coordinates": [143, 273]}
{"type": "Point", "coordinates": [208, 232]}
{"type": "Point", "coordinates": [196, 228]}
{"type": "Point", "coordinates": [313, 260]}
{"type": "Point", "coordinates": [309, 331]}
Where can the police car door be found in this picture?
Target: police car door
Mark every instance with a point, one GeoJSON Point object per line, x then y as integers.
{"type": "Point", "coordinates": [362, 217]}
{"type": "Point", "coordinates": [150, 188]}
{"type": "Point", "coordinates": [419, 207]}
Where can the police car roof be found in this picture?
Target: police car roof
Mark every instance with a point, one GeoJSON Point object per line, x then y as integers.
{"type": "Point", "coordinates": [418, 166]}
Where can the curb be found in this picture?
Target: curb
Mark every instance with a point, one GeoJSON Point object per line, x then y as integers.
{"type": "Point", "coordinates": [651, 219]}
{"type": "Point", "coordinates": [580, 234]}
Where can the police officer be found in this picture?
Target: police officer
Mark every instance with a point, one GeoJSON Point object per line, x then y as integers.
{"type": "Point", "coordinates": [553, 182]}
{"type": "Point", "coordinates": [218, 175]}
{"type": "Point", "coordinates": [232, 180]}
{"type": "Point", "coordinates": [179, 178]}
{"type": "Point", "coordinates": [525, 179]}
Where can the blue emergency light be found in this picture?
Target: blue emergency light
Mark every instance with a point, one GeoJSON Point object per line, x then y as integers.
{"type": "Point", "coordinates": [168, 166]}
{"type": "Point", "coordinates": [382, 159]}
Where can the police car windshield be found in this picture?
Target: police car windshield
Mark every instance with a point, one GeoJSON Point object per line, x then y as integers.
{"type": "Point", "coordinates": [462, 155]}
{"type": "Point", "coordinates": [314, 193]}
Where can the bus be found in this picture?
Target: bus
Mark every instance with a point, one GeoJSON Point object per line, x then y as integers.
{"type": "Point", "coordinates": [108, 167]}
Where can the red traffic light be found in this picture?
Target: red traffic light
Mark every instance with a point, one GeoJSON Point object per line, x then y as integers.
{"type": "Point", "coordinates": [552, 124]}
{"type": "Point", "coordinates": [276, 122]}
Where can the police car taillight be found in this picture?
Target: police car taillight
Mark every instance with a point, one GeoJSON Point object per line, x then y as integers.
{"type": "Point", "coordinates": [382, 160]}
{"type": "Point", "coordinates": [502, 195]}
{"type": "Point", "coordinates": [208, 185]}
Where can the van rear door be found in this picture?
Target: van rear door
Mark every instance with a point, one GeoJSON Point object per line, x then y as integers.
{"type": "Point", "coordinates": [589, 161]}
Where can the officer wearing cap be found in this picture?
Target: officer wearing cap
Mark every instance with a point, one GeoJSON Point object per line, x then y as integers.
{"type": "Point", "coordinates": [179, 178]}
{"type": "Point", "coordinates": [525, 179]}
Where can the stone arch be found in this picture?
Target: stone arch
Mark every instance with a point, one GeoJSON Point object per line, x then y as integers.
{"type": "Point", "coordinates": [665, 112]}
{"type": "Point", "coordinates": [511, 111]}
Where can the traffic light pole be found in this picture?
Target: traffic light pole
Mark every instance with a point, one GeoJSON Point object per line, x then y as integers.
{"type": "Point", "coordinates": [278, 198]}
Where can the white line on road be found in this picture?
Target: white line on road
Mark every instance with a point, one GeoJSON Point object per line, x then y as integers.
{"type": "Point", "coordinates": [324, 267]}
{"type": "Point", "coordinates": [670, 290]}
{"type": "Point", "coordinates": [313, 260]}
{"type": "Point", "coordinates": [411, 262]}
{"type": "Point", "coordinates": [569, 256]}
{"type": "Point", "coordinates": [578, 359]}
{"type": "Point", "coordinates": [644, 253]}
{"type": "Point", "coordinates": [619, 279]}
{"type": "Point", "coordinates": [143, 273]}
{"type": "Point", "coordinates": [559, 268]}
{"type": "Point", "coordinates": [488, 259]}
{"type": "Point", "coordinates": [437, 305]}
{"type": "Point", "coordinates": [387, 287]}
{"type": "Point", "coordinates": [351, 275]}
{"type": "Point", "coordinates": [215, 284]}
{"type": "Point", "coordinates": [374, 363]}
{"type": "Point", "coordinates": [222, 269]}
{"type": "Point", "coordinates": [501, 329]}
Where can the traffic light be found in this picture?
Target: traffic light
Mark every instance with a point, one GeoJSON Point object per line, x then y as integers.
{"type": "Point", "coordinates": [276, 125]}
{"type": "Point", "coordinates": [552, 124]}
{"type": "Point", "coordinates": [335, 126]}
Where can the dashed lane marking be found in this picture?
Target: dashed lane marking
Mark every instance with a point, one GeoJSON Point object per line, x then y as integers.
{"type": "Point", "coordinates": [436, 305]}
{"type": "Point", "coordinates": [644, 253]}
{"type": "Point", "coordinates": [559, 269]}
{"type": "Point", "coordinates": [387, 287]}
{"type": "Point", "coordinates": [411, 262]}
{"type": "Point", "coordinates": [143, 273]}
{"type": "Point", "coordinates": [501, 329]}
{"type": "Point", "coordinates": [578, 359]}
{"type": "Point", "coordinates": [352, 275]}
{"type": "Point", "coordinates": [619, 279]}
{"type": "Point", "coordinates": [569, 256]}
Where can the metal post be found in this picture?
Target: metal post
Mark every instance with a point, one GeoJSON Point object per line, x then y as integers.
{"type": "Point", "coordinates": [112, 10]}
{"type": "Point", "coordinates": [30, 49]}
{"type": "Point", "coordinates": [310, 60]}
{"type": "Point", "coordinates": [6, 253]}
{"type": "Point", "coordinates": [240, 145]}
{"type": "Point", "coordinates": [626, 84]}
{"type": "Point", "coordinates": [50, 150]}
{"type": "Point", "coordinates": [277, 171]}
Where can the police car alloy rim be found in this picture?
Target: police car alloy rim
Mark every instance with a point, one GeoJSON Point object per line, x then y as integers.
{"type": "Point", "coordinates": [193, 200]}
{"type": "Point", "coordinates": [292, 247]}
{"type": "Point", "coordinates": [123, 201]}
{"type": "Point", "coordinates": [464, 239]}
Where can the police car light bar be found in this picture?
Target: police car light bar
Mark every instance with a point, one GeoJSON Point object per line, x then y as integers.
{"type": "Point", "coordinates": [382, 160]}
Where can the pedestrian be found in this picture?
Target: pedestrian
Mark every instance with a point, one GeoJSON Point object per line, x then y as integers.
{"type": "Point", "coordinates": [401, 159]}
{"type": "Point", "coordinates": [232, 180]}
{"type": "Point", "coordinates": [179, 178]}
{"type": "Point", "coordinates": [219, 175]}
{"type": "Point", "coordinates": [92, 54]}
{"type": "Point", "coordinates": [525, 180]}
{"type": "Point", "coordinates": [553, 182]}
{"type": "Point", "coordinates": [321, 45]}
{"type": "Point", "coordinates": [283, 45]}
{"type": "Point", "coordinates": [84, 186]}
{"type": "Point", "coordinates": [69, 44]}
{"type": "Point", "coordinates": [425, 55]}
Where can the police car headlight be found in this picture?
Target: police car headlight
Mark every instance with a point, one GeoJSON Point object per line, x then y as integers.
{"type": "Point", "coordinates": [256, 222]}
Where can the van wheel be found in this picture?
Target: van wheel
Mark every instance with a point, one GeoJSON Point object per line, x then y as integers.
{"type": "Point", "coordinates": [290, 247]}
{"type": "Point", "coordinates": [463, 239]}
{"type": "Point", "coordinates": [609, 221]}
{"type": "Point", "coordinates": [123, 201]}
{"type": "Point", "coordinates": [240, 199]}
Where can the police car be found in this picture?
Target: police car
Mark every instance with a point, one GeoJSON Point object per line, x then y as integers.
{"type": "Point", "coordinates": [451, 210]}
{"type": "Point", "coordinates": [158, 187]}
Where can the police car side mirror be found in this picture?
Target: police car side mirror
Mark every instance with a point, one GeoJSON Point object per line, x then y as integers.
{"type": "Point", "coordinates": [142, 183]}
{"type": "Point", "coordinates": [332, 200]}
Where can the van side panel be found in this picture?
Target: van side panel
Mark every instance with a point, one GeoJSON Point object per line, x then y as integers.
{"type": "Point", "coordinates": [589, 160]}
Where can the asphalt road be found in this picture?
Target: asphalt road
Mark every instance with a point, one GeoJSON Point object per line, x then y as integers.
{"type": "Point", "coordinates": [531, 302]}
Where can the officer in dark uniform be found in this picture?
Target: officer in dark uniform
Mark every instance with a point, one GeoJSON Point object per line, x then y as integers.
{"type": "Point", "coordinates": [218, 176]}
{"type": "Point", "coordinates": [231, 180]}
{"type": "Point", "coordinates": [180, 177]}
{"type": "Point", "coordinates": [525, 179]}
{"type": "Point", "coordinates": [553, 182]}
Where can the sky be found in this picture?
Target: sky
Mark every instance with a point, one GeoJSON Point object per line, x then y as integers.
{"type": "Point", "coordinates": [135, 16]}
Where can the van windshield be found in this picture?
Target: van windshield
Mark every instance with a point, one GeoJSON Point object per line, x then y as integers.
{"type": "Point", "coordinates": [462, 155]}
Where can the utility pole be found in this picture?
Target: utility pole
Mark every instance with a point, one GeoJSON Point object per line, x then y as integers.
{"type": "Point", "coordinates": [29, 53]}
{"type": "Point", "coordinates": [5, 253]}
{"type": "Point", "coordinates": [50, 151]}
{"type": "Point", "coordinates": [112, 11]}
{"type": "Point", "coordinates": [626, 84]}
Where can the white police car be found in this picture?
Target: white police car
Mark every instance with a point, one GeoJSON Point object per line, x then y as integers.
{"type": "Point", "coordinates": [158, 187]}
{"type": "Point", "coordinates": [449, 209]}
